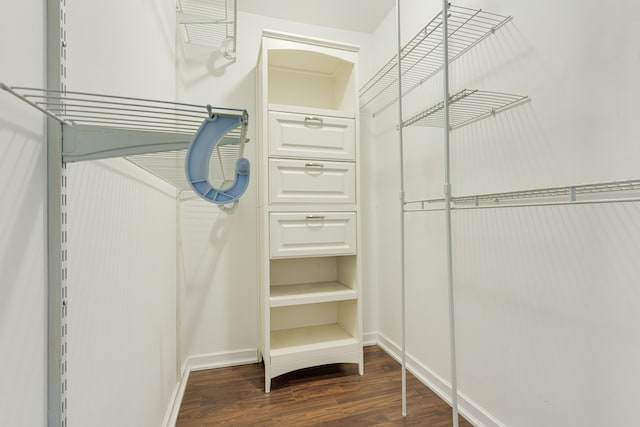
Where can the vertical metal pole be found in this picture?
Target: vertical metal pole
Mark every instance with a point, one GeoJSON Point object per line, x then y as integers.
{"type": "Point", "coordinates": [447, 194]}
{"type": "Point", "coordinates": [402, 242]}
{"type": "Point", "coordinates": [56, 235]}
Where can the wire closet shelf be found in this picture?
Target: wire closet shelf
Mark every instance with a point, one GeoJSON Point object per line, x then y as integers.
{"type": "Point", "coordinates": [421, 57]}
{"type": "Point", "coordinates": [145, 118]}
{"type": "Point", "coordinates": [466, 107]}
{"type": "Point", "coordinates": [210, 23]}
{"type": "Point", "coordinates": [627, 190]}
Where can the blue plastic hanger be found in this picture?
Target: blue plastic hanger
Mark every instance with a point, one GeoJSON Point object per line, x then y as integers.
{"type": "Point", "coordinates": [211, 132]}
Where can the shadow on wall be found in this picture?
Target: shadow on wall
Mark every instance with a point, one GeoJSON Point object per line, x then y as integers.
{"type": "Point", "coordinates": [218, 63]}
{"type": "Point", "coordinates": [22, 166]}
{"type": "Point", "coordinates": [204, 232]}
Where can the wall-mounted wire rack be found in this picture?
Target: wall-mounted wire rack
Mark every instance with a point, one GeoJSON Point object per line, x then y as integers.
{"type": "Point", "coordinates": [625, 190]}
{"type": "Point", "coordinates": [421, 57]}
{"type": "Point", "coordinates": [466, 107]}
{"type": "Point", "coordinates": [210, 23]}
{"type": "Point", "coordinates": [153, 134]}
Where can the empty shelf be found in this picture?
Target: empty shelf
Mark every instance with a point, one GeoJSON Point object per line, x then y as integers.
{"type": "Point", "coordinates": [153, 134]}
{"type": "Point", "coordinates": [421, 57]}
{"type": "Point", "coordinates": [309, 338]}
{"type": "Point", "coordinates": [210, 23]}
{"type": "Point", "coordinates": [465, 107]}
{"type": "Point", "coordinates": [310, 293]}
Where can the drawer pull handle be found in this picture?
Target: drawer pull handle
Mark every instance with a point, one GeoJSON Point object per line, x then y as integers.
{"type": "Point", "coordinates": [313, 120]}
{"type": "Point", "coordinates": [314, 165]}
{"type": "Point", "coordinates": [315, 216]}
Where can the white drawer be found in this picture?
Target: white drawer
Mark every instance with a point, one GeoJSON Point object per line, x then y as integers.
{"type": "Point", "coordinates": [304, 181]}
{"type": "Point", "coordinates": [308, 234]}
{"type": "Point", "coordinates": [311, 137]}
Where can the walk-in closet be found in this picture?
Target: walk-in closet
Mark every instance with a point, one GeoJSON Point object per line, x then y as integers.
{"type": "Point", "coordinates": [277, 212]}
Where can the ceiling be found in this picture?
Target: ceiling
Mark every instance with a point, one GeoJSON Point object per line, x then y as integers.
{"type": "Point", "coordinates": [354, 15]}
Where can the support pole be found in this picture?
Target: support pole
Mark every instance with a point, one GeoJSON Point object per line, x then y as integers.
{"type": "Point", "coordinates": [56, 405]}
{"type": "Point", "coordinates": [447, 194]}
{"type": "Point", "coordinates": [402, 242]}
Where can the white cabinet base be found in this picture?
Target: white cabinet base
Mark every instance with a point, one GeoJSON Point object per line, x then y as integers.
{"type": "Point", "coordinates": [298, 348]}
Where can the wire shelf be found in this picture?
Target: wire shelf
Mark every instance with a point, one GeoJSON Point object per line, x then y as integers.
{"type": "Point", "coordinates": [583, 193]}
{"type": "Point", "coordinates": [110, 111]}
{"type": "Point", "coordinates": [210, 23]}
{"type": "Point", "coordinates": [144, 121]}
{"type": "Point", "coordinates": [465, 107]}
{"type": "Point", "coordinates": [169, 166]}
{"type": "Point", "coordinates": [421, 57]}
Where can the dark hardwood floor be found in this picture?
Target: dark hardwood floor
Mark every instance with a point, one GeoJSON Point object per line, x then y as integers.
{"type": "Point", "coordinates": [332, 395]}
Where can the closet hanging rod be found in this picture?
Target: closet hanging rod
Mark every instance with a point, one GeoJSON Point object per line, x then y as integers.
{"type": "Point", "coordinates": [421, 56]}
{"type": "Point", "coordinates": [529, 205]}
{"type": "Point", "coordinates": [569, 194]}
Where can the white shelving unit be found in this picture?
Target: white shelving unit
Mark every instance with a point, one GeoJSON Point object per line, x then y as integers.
{"type": "Point", "coordinates": [450, 34]}
{"type": "Point", "coordinates": [308, 203]}
{"type": "Point", "coordinates": [444, 39]}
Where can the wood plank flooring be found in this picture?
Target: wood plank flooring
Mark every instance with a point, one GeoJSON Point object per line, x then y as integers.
{"type": "Point", "coordinates": [332, 395]}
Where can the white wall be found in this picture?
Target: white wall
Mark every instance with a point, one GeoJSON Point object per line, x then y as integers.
{"type": "Point", "coordinates": [122, 350]}
{"type": "Point", "coordinates": [122, 298]}
{"type": "Point", "coordinates": [122, 48]}
{"type": "Point", "coordinates": [215, 298]}
{"type": "Point", "coordinates": [217, 282]}
{"type": "Point", "coordinates": [23, 205]}
{"type": "Point", "coordinates": [546, 297]}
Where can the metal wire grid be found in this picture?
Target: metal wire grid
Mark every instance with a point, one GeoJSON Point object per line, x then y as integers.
{"type": "Point", "coordinates": [465, 107]}
{"type": "Point", "coordinates": [83, 108]}
{"type": "Point", "coordinates": [169, 166]}
{"type": "Point", "coordinates": [210, 23]}
{"type": "Point", "coordinates": [421, 57]}
{"type": "Point", "coordinates": [524, 197]}
{"type": "Point", "coordinates": [138, 114]}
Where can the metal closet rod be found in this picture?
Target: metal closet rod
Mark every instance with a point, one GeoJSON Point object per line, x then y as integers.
{"type": "Point", "coordinates": [570, 193]}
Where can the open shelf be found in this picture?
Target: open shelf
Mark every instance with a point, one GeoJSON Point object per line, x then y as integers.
{"type": "Point", "coordinates": [466, 107]}
{"type": "Point", "coordinates": [421, 57]}
{"type": "Point", "coordinates": [308, 338]}
{"type": "Point", "coordinates": [153, 134]}
{"type": "Point", "coordinates": [310, 79]}
{"type": "Point", "coordinates": [310, 293]}
{"type": "Point", "coordinates": [210, 23]}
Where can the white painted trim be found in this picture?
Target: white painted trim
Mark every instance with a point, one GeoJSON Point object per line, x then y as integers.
{"type": "Point", "coordinates": [471, 410]}
{"type": "Point", "coordinates": [171, 415]}
{"type": "Point", "coordinates": [370, 338]}
{"type": "Point", "coordinates": [201, 362]}
{"type": "Point", "coordinates": [309, 40]}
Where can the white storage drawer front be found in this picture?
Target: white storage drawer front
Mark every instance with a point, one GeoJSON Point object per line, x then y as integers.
{"type": "Point", "coordinates": [301, 181]}
{"type": "Point", "coordinates": [311, 137]}
{"type": "Point", "coordinates": [308, 234]}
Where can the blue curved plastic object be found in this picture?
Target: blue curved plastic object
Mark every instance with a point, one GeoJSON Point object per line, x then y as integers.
{"type": "Point", "coordinates": [199, 154]}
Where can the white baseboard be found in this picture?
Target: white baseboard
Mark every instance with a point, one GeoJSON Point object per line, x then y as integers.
{"type": "Point", "coordinates": [473, 412]}
{"type": "Point", "coordinates": [370, 338]}
{"type": "Point", "coordinates": [200, 362]}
